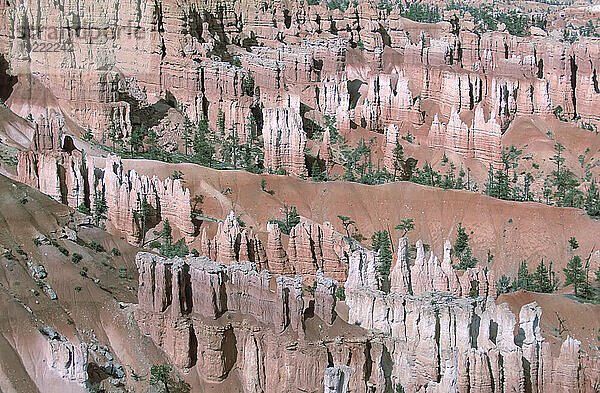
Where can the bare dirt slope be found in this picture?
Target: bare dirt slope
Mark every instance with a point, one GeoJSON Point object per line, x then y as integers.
{"type": "Point", "coordinates": [561, 317]}
{"type": "Point", "coordinates": [86, 308]}
{"type": "Point", "coordinates": [513, 231]}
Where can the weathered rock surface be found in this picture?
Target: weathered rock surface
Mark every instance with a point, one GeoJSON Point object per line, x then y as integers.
{"type": "Point", "coordinates": [181, 304]}
{"type": "Point", "coordinates": [443, 343]}
{"type": "Point", "coordinates": [71, 178]}
{"type": "Point", "coordinates": [284, 139]}
{"type": "Point", "coordinates": [481, 141]}
{"type": "Point", "coordinates": [428, 275]}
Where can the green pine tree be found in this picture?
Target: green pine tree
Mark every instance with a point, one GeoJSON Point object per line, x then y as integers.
{"type": "Point", "coordinates": [316, 173]}
{"type": "Point", "coordinates": [136, 140]}
{"type": "Point", "coordinates": [542, 281]}
{"type": "Point", "coordinates": [575, 274]}
{"type": "Point", "coordinates": [524, 280]}
{"type": "Point", "coordinates": [100, 208]}
{"type": "Point", "coordinates": [203, 150]}
{"type": "Point", "coordinates": [592, 200]}
{"type": "Point", "coordinates": [462, 240]}
{"type": "Point", "coordinates": [187, 133]}
{"type": "Point", "coordinates": [382, 242]}
{"type": "Point", "coordinates": [398, 156]}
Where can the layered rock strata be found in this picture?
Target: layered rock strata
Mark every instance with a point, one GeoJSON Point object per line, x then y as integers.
{"type": "Point", "coordinates": [70, 177]}
{"type": "Point", "coordinates": [182, 304]}
{"type": "Point", "coordinates": [444, 343]}
{"type": "Point", "coordinates": [284, 139]}
{"type": "Point", "coordinates": [482, 141]}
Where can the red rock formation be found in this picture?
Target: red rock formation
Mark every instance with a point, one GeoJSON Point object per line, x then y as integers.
{"type": "Point", "coordinates": [325, 153]}
{"type": "Point", "coordinates": [388, 101]}
{"type": "Point", "coordinates": [333, 247]}
{"type": "Point", "coordinates": [284, 139]}
{"type": "Point", "coordinates": [228, 236]}
{"type": "Point", "coordinates": [125, 190]}
{"type": "Point", "coordinates": [304, 248]}
{"type": "Point", "coordinates": [325, 298]}
{"type": "Point", "coordinates": [400, 275]}
{"type": "Point", "coordinates": [276, 255]}
{"type": "Point", "coordinates": [392, 136]}
{"type": "Point", "coordinates": [179, 301]}
{"type": "Point", "coordinates": [482, 141]}
{"type": "Point", "coordinates": [52, 170]}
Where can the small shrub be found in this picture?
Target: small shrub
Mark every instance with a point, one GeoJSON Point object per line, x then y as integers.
{"type": "Point", "coordinates": [473, 292]}
{"type": "Point", "coordinates": [115, 252]}
{"type": "Point", "coordinates": [76, 258]}
{"type": "Point", "coordinates": [63, 250]}
{"type": "Point", "coordinates": [84, 209]}
{"type": "Point", "coordinates": [36, 241]}
{"type": "Point", "coordinates": [83, 272]}
{"type": "Point", "coordinates": [94, 245]}
{"type": "Point", "coordinates": [281, 171]}
{"type": "Point", "coordinates": [77, 289]}
{"type": "Point", "coordinates": [340, 293]}
{"type": "Point", "coordinates": [104, 261]}
{"type": "Point", "coordinates": [122, 272]}
{"type": "Point", "coordinates": [195, 252]}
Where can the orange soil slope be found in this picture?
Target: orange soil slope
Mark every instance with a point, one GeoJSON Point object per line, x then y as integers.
{"type": "Point", "coordinates": [513, 231]}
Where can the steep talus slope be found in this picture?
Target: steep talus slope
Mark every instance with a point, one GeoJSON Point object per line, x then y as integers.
{"type": "Point", "coordinates": [513, 231]}
{"type": "Point", "coordinates": [41, 287]}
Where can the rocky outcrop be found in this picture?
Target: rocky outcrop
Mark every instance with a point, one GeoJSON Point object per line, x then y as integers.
{"type": "Point", "coordinates": [182, 304]}
{"type": "Point", "coordinates": [481, 141]}
{"type": "Point", "coordinates": [276, 255]}
{"type": "Point", "coordinates": [69, 360]}
{"type": "Point", "coordinates": [400, 274]}
{"type": "Point", "coordinates": [325, 152]}
{"type": "Point", "coordinates": [336, 379]}
{"type": "Point", "coordinates": [428, 275]}
{"type": "Point", "coordinates": [74, 179]}
{"type": "Point", "coordinates": [51, 166]}
{"type": "Point", "coordinates": [284, 139]}
{"type": "Point", "coordinates": [325, 297]}
{"type": "Point", "coordinates": [388, 100]}
{"type": "Point", "coordinates": [465, 344]}
{"type": "Point", "coordinates": [125, 191]}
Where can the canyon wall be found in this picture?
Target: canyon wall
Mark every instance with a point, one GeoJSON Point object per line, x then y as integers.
{"type": "Point", "coordinates": [200, 312]}
{"type": "Point", "coordinates": [442, 343]}
{"type": "Point", "coordinates": [311, 248]}
{"type": "Point", "coordinates": [312, 52]}
{"type": "Point", "coordinates": [57, 169]}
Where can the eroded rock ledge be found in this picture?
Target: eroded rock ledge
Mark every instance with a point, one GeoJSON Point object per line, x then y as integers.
{"type": "Point", "coordinates": [233, 321]}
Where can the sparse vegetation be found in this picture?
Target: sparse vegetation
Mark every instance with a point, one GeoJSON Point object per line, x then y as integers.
{"type": "Point", "coordinates": [162, 379]}
{"type": "Point", "coordinates": [346, 223]}
{"type": "Point", "coordinates": [381, 244]}
{"type": "Point", "coordinates": [94, 245]}
{"type": "Point", "coordinates": [168, 248]}
{"type": "Point", "coordinates": [83, 272]}
{"type": "Point", "coordinates": [340, 293]}
{"type": "Point", "coordinates": [291, 219]}
{"type": "Point", "coordinates": [462, 250]}
{"type": "Point", "coordinates": [406, 226]}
